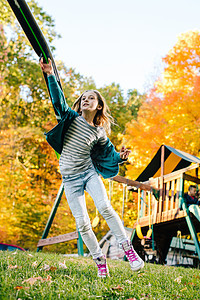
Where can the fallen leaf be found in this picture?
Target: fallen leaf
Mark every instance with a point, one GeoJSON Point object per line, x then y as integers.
{"type": "Point", "coordinates": [118, 288]}
{"type": "Point", "coordinates": [149, 284]}
{"type": "Point", "coordinates": [178, 279]}
{"type": "Point", "coordinates": [62, 265]}
{"type": "Point", "coordinates": [34, 264]}
{"type": "Point", "coordinates": [52, 268]}
{"type": "Point", "coordinates": [129, 282]}
{"type": "Point", "coordinates": [48, 278]}
{"type": "Point", "coordinates": [184, 289]}
{"type": "Point", "coordinates": [18, 287]}
{"type": "Point", "coordinates": [13, 267]}
{"type": "Point", "coordinates": [45, 267]}
{"type": "Point", "coordinates": [32, 280]}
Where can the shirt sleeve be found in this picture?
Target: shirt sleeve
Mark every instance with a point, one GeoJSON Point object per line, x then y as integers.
{"type": "Point", "coordinates": [58, 99]}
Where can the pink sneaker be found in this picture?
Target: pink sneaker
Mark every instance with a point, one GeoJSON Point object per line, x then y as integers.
{"type": "Point", "coordinates": [102, 267]}
{"type": "Point", "coordinates": [135, 261]}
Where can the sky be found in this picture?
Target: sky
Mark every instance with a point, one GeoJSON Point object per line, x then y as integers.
{"type": "Point", "coordinates": [121, 41]}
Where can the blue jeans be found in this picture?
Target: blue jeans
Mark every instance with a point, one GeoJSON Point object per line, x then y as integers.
{"type": "Point", "coordinates": [90, 181]}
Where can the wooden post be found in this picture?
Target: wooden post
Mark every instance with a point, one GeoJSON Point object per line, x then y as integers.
{"type": "Point", "coordinates": [162, 170]}
{"type": "Point", "coordinates": [196, 171]}
{"type": "Point", "coordinates": [161, 181]}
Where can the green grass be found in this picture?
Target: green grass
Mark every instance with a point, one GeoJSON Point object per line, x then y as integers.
{"type": "Point", "coordinates": [79, 279]}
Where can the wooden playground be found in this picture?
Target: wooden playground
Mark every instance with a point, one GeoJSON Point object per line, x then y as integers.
{"type": "Point", "coordinates": [159, 196]}
{"type": "Point", "coordinates": [158, 216]}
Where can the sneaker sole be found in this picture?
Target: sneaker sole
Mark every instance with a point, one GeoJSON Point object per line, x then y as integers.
{"type": "Point", "coordinates": [106, 276]}
{"type": "Point", "coordinates": [138, 267]}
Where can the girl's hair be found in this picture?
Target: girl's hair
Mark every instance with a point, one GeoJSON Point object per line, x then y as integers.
{"type": "Point", "coordinates": [103, 117]}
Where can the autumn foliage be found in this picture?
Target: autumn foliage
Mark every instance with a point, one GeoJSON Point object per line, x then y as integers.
{"type": "Point", "coordinates": [171, 113]}
{"type": "Point", "coordinates": [29, 173]}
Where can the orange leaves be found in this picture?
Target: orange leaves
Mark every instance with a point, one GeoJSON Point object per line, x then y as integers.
{"type": "Point", "coordinates": [18, 287]}
{"type": "Point", "coordinates": [171, 113]}
{"type": "Point", "coordinates": [117, 288]}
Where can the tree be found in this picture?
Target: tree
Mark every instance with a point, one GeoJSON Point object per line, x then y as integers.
{"type": "Point", "coordinates": [171, 112]}
{"type": "Point", "coordinates": [28, 189]}
{"type": "Point", "coordinates": [29, 174]}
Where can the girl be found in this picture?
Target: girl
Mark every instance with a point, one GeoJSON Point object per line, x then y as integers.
{"type": "Point", "coordinates": [86, 152]}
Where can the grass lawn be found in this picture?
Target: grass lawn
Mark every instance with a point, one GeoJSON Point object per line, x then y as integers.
{"type": "Point", "coordinates": [25, 275]}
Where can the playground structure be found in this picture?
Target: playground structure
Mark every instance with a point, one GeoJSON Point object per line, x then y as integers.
{"type": "Point", "coordinates": [159, 215]}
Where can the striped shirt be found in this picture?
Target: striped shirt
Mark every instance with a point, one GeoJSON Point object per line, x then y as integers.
{"type": "Point", "coordinates": [78, 142]}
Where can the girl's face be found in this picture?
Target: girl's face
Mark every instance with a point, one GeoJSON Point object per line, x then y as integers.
{"type": "Point", "coordinates": [89, 102]}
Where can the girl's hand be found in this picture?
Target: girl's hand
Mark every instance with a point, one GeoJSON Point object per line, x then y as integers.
{"type": "Point", "coordinates": [46, 68]}
{"type": "Point", "coordinates": [124, 153]}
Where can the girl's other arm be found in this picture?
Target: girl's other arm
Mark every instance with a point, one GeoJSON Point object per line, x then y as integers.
{"type": "Point", "coordinates": [124, 153]}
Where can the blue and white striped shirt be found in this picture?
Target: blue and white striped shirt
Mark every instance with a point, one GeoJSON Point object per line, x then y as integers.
{"type": "Point", "coordinates": [78, 142]}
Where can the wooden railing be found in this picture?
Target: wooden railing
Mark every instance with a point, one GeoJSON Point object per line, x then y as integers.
{"type": "Point", "coordinates": [171, 188]}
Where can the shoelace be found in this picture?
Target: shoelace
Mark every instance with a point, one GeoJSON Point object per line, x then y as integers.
{"type": "Point", "coordinates": [102, 269]}
{"type": "Point", "coordinates": [131, 255]}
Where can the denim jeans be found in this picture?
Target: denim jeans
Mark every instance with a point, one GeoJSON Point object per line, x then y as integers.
{"type": "Point", "coordinates": [90, 181]}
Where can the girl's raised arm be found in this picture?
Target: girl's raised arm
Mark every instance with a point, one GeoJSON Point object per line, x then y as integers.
{"type": "Point", "coordinates": [58, 98]}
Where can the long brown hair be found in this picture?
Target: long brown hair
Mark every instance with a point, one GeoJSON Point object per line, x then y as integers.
{"type": "Point", "coordinates": [103, 117]}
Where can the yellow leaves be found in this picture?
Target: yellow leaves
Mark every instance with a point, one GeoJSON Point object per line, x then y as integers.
{"type": "Point", "coordinates": [171, 113]}
{"type": "Point", "coordinates": [182, 64]}
{"type": "Point", "coordinates": [33, 280]}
